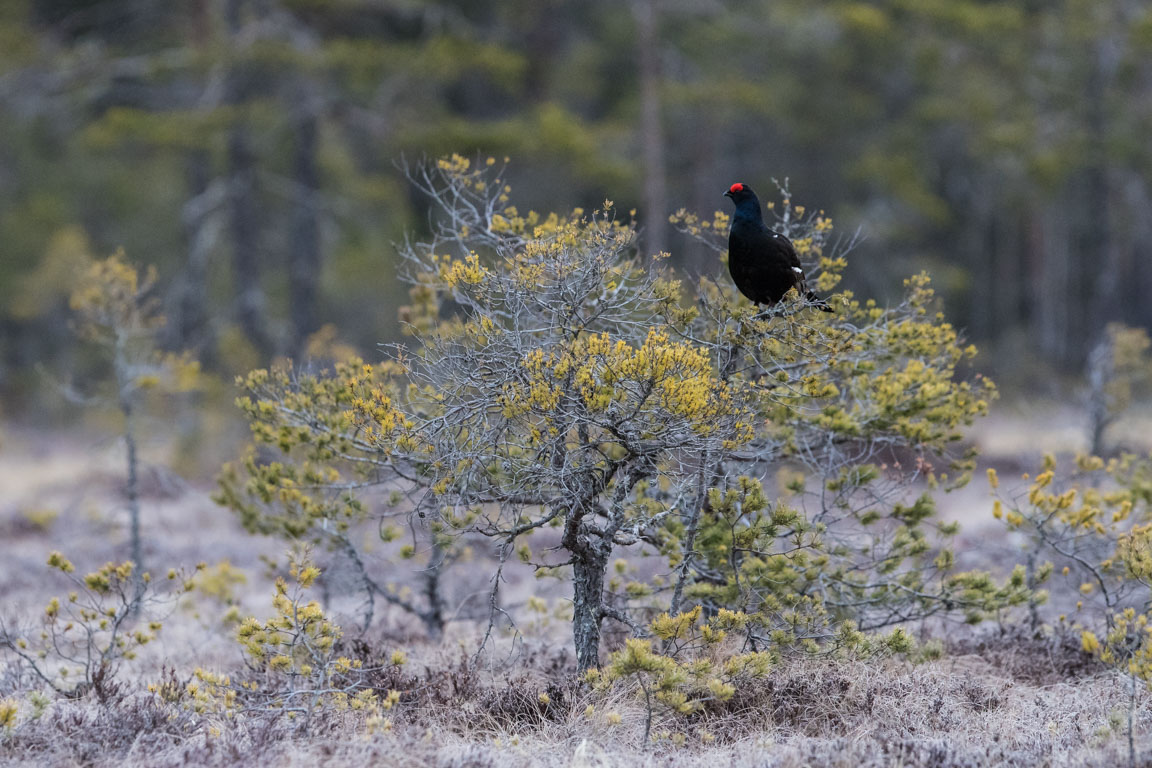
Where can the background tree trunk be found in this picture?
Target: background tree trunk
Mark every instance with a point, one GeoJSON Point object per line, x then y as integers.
{"type": "Point", "coordinates": [304, 266]}
{"type": "Point", "coordinates": [1052, 256]}
{"type": "Point", "coordinates": [244, 223]}
{"type": "Point", "coordinates": [188, 326]}
{"type": "Point", "coordinates": [245, 230]}
{"type": "Point", "coordinates": [655, 182]}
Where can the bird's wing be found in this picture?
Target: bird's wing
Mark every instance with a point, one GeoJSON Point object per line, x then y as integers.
{"type": "Point", "coordinates": [794, 260]}
{"type": "Point", "coordinates": [790, 250]}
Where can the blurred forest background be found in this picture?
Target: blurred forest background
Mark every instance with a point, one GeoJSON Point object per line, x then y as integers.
{"type": "Point", "coordinates": [249, 149]}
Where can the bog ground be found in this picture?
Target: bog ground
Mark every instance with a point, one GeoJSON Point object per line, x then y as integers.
{"type": "Point", "coordinates": [983, 697]}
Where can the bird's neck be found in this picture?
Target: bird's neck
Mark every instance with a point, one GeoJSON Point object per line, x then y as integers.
{"type": "Point", "coordinates": [748, 211]}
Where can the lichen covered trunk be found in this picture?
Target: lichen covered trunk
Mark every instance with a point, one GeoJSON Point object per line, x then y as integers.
{"type": "Point", "coordinates": [588, 571]}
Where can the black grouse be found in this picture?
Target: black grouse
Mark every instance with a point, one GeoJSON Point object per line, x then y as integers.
{"type": "Point", "coordinates": [763, 263]}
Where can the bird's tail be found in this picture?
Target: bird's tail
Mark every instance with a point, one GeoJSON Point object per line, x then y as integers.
{"type": "Point", "coordinates": [817, 302]}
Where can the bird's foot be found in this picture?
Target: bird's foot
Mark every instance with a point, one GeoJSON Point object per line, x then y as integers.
{"type": "Point", "coordinates": [766, 312]}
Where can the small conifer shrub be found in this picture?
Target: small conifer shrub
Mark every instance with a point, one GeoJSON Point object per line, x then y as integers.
{"type": "Point", "coordinates": [772, 458]}
{"type": "Point", "coordinates": [117, 313]}
{"type": "Point", "coordinates": [83, 638]}
{"type": "Point", "coordinates": [294, 667]}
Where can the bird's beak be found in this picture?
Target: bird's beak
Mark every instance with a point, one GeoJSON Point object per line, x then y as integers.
{"type": "Point", "coordinates": [727, 193]}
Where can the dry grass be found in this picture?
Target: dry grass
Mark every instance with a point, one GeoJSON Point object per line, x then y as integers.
{"type": "Point", "coordinates": [963, 711]}
{"type": "Point", "coordinates": [992, 699]}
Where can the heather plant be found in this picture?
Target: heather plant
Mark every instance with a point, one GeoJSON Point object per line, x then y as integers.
{"type": "Point", "coordinates": [85, 637]}
{"type": "Point", "coordinates": [559, 378]}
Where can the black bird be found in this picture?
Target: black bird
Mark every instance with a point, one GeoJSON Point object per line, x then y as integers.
{"type": "Point", "coordinates": [763, 263]}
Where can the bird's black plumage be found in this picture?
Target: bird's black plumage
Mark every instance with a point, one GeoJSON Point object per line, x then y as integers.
{"type": "Point", "coordinates": [763, 263]}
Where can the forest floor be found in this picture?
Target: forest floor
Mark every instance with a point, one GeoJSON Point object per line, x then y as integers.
{"type": "Point", "coordinates": [994, 696]}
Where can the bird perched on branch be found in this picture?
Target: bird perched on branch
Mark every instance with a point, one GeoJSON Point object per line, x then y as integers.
{"type": "Point", "coordinates": [763, 263]}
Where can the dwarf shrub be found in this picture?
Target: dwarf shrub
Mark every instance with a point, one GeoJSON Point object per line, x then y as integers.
{"type": "Point", "coordinates": [294, 667]}
{"type": "Point", "coordinates": [84, 637]}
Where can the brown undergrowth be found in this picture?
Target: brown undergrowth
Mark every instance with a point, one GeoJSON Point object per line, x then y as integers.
{"type": "Point", "coordinates": [980, 698]}
{"type": "Point", "coordinates": [981, 704]}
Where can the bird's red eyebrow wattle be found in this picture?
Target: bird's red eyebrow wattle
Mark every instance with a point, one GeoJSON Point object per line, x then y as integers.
{"type": "Point", "coordinates": [737, 187]}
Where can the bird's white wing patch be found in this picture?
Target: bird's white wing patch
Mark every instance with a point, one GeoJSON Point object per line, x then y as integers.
{"type": "Point", "coordinates": [798, 270]}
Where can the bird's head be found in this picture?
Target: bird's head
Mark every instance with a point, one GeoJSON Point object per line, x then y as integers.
{"type": "Point", "coordinates": [739, 192]}
{"type": "Point", "coordinates": [747, 204]}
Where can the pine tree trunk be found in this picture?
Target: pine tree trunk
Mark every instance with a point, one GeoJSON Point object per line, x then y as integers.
{"type": "Point", "coordinates": [1050, 241]}
{"type": "Point", "coordinates": [655, 181]}
{"type": "Point", "coordinates": [1100, 258]}
{"type": "Point", "coordinates": [250, 302]}
{"type": "Point", "coordinates": [132, 489]}
{"type": "Point", "coordinates": [244, 224]}
{"type": "Point", "coordinates": [588, 570]}
{"type": "Point", "coordinates": [1140, 285]}
{"type": "Point", "coordinates": [132, 481]}
{"type": "Point", "coordinates": [434, 618]}
{"type": "Point", "coordinates": [304, 270]}
{"type": "Point", "coordinates": [189, 327]}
